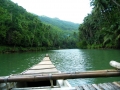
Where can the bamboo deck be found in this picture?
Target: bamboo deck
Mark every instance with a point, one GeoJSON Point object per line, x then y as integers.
{"type": "Point", "coordinates": [101, 86]}
{"type": "Point", "coordinates": [44, 67]}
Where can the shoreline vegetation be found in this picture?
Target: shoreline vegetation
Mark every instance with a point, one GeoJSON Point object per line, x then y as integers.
{"type": "Point", "coordinates": [101, 28]}
{"type": "Point", "coordinates": [22, 31]}
{"type": "Point", "coordinates": [8, 49]}
{"type": "Point", "coordinates": [11, 49]}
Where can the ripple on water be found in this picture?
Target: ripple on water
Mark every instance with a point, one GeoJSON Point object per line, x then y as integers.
{"type": "Point", "coordinates": [67, 60]}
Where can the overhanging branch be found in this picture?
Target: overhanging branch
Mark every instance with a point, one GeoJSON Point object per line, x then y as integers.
{"type": "Point", "coordinates": [116, 3]}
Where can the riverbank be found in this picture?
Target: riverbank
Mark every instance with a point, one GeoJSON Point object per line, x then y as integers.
{"type": "Point", "coordinates": [8, 49]}
{"type": "Point", "coordinates": [12, 49]}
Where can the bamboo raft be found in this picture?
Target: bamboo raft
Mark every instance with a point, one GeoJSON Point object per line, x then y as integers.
{"type": "Point", "coordinates": [45, 76]}
{"type": "Point", "coordinates": [101, 86]}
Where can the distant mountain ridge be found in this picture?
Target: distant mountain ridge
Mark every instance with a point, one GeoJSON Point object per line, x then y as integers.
{"type": "Point", "coordinates": [64, 25]}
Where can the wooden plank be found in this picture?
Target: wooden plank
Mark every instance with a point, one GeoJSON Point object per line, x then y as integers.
{"type": "Point", "coordinates": [116, 84]}
{"type": "Point", "coordinates": [42, 71]}
{"type": "Point", "coordinates": [85, 87]}
{"type": "Point", "coordinates": [113, 86]}
{"type": "Point", "coordinates": [39, 73]}
{"type": "Point", "coordinates": [108, 86]}
{"type": "Point", "coordinates": [45, 59]}
{"type": "Point", "coordinates": [96, 86]}
{"type": "Point", "coordinates": [102, 86]}
{"type": "Point", "coordinates": [42, 66]}
{"type": "Point", "coordinates": [91, 87]}
{"type": "Point", "coordinates": [45, 62]}
{"type": "Point", "coordinates": [79, 88]}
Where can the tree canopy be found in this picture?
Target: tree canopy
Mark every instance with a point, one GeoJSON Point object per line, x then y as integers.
{"type": "Point", "coordinates": [19, 28]}
{"type": "Point", "coordinates": [63, 25]}
{"type": "Point", "coordinates": [101, 28]}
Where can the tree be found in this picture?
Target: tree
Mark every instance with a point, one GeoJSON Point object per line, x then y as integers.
{"type": "Point", "coordinates": [100, 29]}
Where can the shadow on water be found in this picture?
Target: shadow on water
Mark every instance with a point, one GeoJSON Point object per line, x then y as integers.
{"type": "Point", "coordinates": [66, 60]}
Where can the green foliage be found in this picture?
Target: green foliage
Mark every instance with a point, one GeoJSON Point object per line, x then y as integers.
{"type": "Point", "coordinates": [20, 30]}
{"type": "Point", "coordinates": [101, 28]}
{"type": "Point", "coordinates": [82, 44]}
{"type": "Point", "coordinates": [65, 34]}
{"type": "Point", "coordinates": [63, 25]}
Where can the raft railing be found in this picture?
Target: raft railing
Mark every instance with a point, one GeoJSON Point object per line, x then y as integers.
{"type": "Point", "coordinates": [75, 75]}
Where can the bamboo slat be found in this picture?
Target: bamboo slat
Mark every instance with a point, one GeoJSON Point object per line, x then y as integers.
{"type": "Point", "coordinates": [108, 86]}
{"type": "Point", "coordinates": [91, 87]}
{"type": "Point", "coordinates": [111, 88]}
{"type": "Point", "coordinates": [79, 88]}
{"type": "Point", "coordinates": [41, 71]}
{"type": "Point", "coordinates": [42, 67]}
{"type": "Point", "coordinates": [117, 84]}
{"type": "Point", "coordinates": [45, 66]}
{"type": "Point", "coordinates": [96, 87]}
{"type": "Point", "coordinates": [114, 86]}
{"type": "Point", "coordinates": [100, 86]}
{"type": "Point", "coordinates": [103, 86]}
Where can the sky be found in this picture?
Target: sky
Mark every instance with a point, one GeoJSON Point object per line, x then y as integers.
{"type": "Point", "coordinates": [68, 10]}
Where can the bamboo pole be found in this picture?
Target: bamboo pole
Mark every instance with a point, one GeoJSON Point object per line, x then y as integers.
{"type": "Point", "coordinates": [115, 64]}
{"type": "Point", "coordinates": [44, 77]}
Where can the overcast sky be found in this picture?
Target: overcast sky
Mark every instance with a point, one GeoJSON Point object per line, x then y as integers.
{"type": "Point", "coordinates": [69, 10]}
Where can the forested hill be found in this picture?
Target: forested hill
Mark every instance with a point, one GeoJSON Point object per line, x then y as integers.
{"type": "Point", "coordinates": [63, 25]}
{"type": "Point", "coordinates": [23, 31]}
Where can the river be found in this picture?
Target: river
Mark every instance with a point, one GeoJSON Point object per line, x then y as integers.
{"type": "Point", "coordinates": [66, 60]}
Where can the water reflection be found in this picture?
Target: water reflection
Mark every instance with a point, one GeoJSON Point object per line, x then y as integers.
{"type": "Point", "coordinates": [75, 60]}
{"type": "Point", "coordinates": [72, 60]}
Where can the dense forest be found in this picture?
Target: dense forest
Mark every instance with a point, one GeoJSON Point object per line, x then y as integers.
{"type": "Point", "coordinates": [63, 25]}
{"type": "Point", "coordinates": [101, 28]}
{"type": "Point", "coordinates": [23, 31]}
{"type": "Point", "coordinates": [66, 31]}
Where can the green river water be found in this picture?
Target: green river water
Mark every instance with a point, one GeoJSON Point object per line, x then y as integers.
{"type": "Point", "coordinates": [66, 60]}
